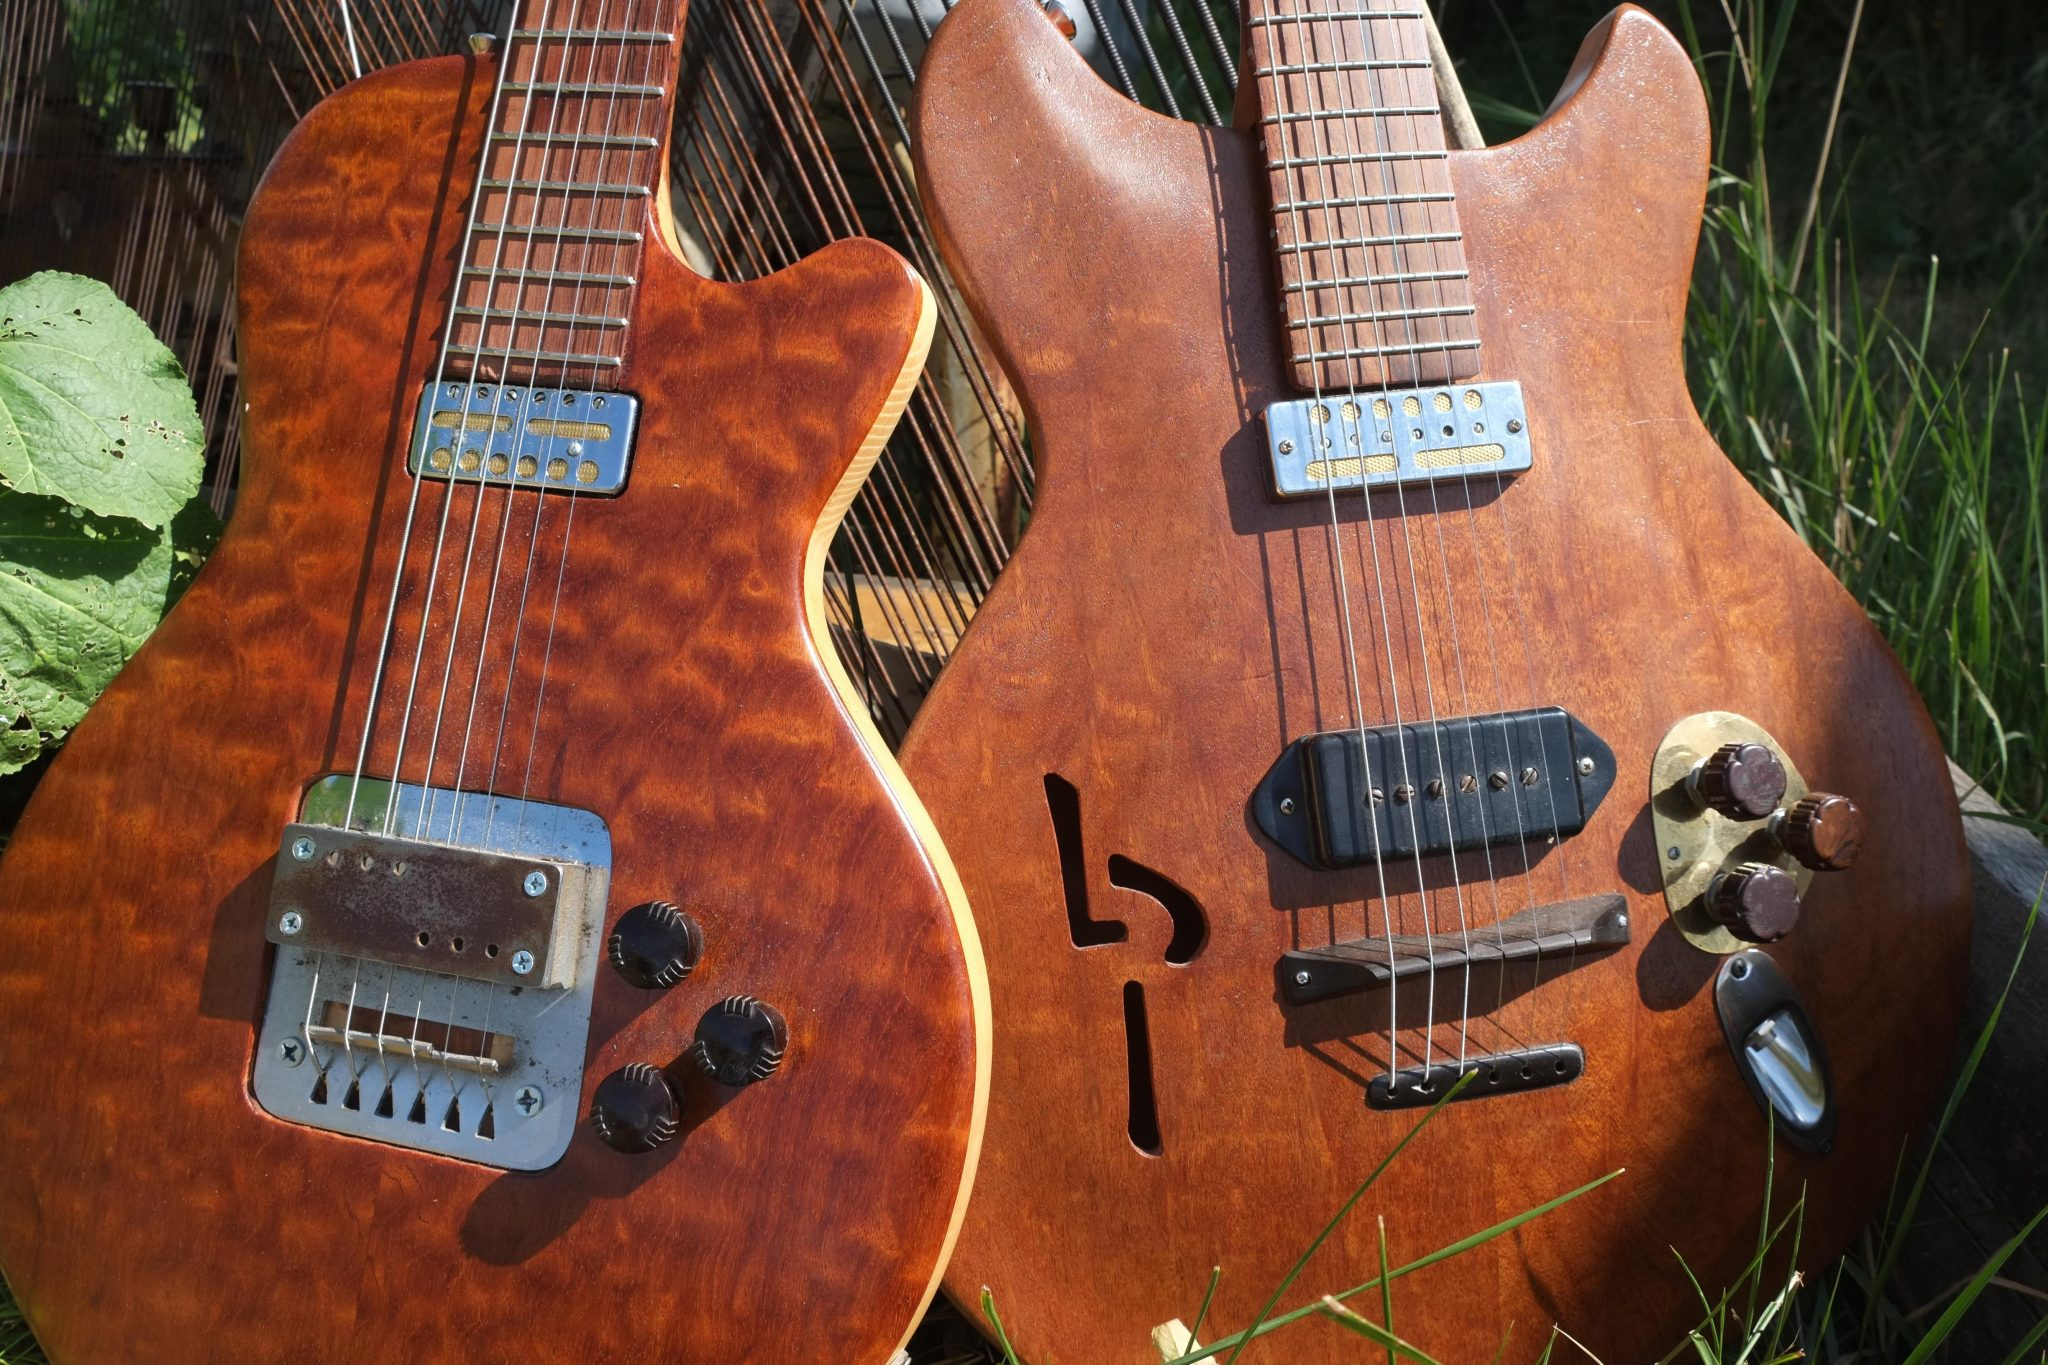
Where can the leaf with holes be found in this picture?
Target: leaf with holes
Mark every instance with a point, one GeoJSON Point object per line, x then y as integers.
{"type": "Point", "coordinates": [78, 595]}
{"type": "Point", "coordinates": [93, 408]}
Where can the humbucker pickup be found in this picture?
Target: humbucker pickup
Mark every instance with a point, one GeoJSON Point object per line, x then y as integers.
{"type": "Point", "coordinates": [1345, 442]}
{"type": "Point", "coordinates": [564, 440]}
{"type": "Point", "coordinates": [1343, 798]}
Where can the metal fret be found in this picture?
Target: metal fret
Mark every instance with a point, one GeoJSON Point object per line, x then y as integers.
{"type": "Point", "coordinates": [1356, 281]}
{"type": "Point", "coordinates": [536, 357]}
{"type": "Point", "coordinates": [1395, 315]}
{"type": "Point", "coordinates": [1263, 20]}
{"type": "Point", "coordinates": [516, 316]}
{"type": "Point", "coordinates": [644, 35]}
{"type": "Point", "coordinates": [1400, 64]}
{"type": "Point", "coordinates": [577, 139]}
{"type": "Point", "coordinates": [1386, 111]}
{"type": "Point", "coordinates": [1361, 201]}
{"type": "Point", "coordinates": [549, 230]}
{"type": "Point", "coordinates": [579, 88]}
{"type": "Point", "coordinates": [568, 187]}
{"type": "Point", "coordinates": [1420, 154]}
{"type": "Point", "coordinates": [1290, 162]}
{"type": "Point", "coordinates": [1344, 243]}
{"type": "Point", "coordinates": [509, 274]}
{"type": "Point", "coordinates": [1416, 348]}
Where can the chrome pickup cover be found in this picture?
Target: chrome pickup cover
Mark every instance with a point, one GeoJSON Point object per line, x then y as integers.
{"type": "Point", "coordinates": [427, 1057]}
{"type": "Point", "coordinates": [566, 440]}
{"type": "Point", "coordinates": [1399, 436]}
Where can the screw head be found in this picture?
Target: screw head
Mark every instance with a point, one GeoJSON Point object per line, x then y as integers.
{"type": "Point", "coordinates": [536, 883]}
{"type": "Point", "coordinates": [1673, 853]}
{"type": "Point", "coordinates": [1468, 783]}
{"type": "Point", "coordinates": [1739, 968]}
{"type": "Point", "coordinates": [291, 1050]}
{"type": "Point", "coordinates": [1287, 447]}
{"type": "Point", "coordinates": [1529, 776]}
{"type": "Point", "coordinates": [302, 849]}
{"type": "Point", "coordinates": [1514, 424]}
{"type": "Point", "coordinates": [575, 449]}
{"type": "Point", "coordinates": [290, 922]}
{"type": "Point", "coordinates": [1585, 767]}
{"type": "Point", "coordinates": [1301, 978]}
{"type": "Point", "coordinates": [1287, 805]}
{"type": "Point", "coordinates": [1497, 780]}
{"type": "Point", "coordinates": [528, 1101]}
{"type": "Point", "coordinates": [522, 962]}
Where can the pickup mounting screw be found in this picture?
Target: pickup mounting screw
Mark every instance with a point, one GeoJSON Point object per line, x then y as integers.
{"type": "Point", "coordinates": [1529, 776]}
{"type": "Point", "coordinates": [536, 882]}
{"type": "Point", "coordinates": [1468, 783]}
{"type": "Point", "coordinates": [1514, 425]}
{"type": "Point", "coordinates": [1404, 793]}
{"type": "Point", "coordinates": [1378, 796]}
{"type": "Point", "coordinates": [302, 849]}
{"type": "Point", "coordinates": [292, 1050]}
{"type": "Point", "coordinates": [1497, 780]}
{"type": "Point", "coordinates": [1301, 978]}
{"type": "Point", "coordinates": [289, 922]}
{"type": "Point", "coordinates": [1435, 789]}
{"type": "Point", "coordinates": [522, 962]}
{"type": "Point", "coordinates": [1287, 447]}
{"type": "Point", "coordinates": [1585, 767]}
{"type": "Point", "coordinates": [528, 1100]}
{"type": "Point", "coordinates": [1287, 805]}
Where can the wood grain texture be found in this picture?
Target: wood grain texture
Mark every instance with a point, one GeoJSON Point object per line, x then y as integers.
{"type": "Point", "coordinates": [148, 1208]}
{"type": "Point", "coordinates": [1165, 629]}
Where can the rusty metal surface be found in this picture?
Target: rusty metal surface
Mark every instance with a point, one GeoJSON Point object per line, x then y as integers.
{"type": "Point", "coordinates": [464, 912]}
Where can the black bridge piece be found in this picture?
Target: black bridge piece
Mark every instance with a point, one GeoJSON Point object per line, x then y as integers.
{"type": "Point", "coordinates": [1342, 798]}
{"type": "Point", "coordinates": [1561, 929]}
{"type": "Point", "coordinates": [1498, 1073]}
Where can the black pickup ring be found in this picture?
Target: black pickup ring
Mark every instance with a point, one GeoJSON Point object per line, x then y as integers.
{"type": "Point", "coordinates": [1560, 929]}
{"type": "Point", "coordinates": [1499, 1073]}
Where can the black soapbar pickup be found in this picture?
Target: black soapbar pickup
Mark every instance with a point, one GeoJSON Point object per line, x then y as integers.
{"type": "Point", "coordinates": [1342, 798]}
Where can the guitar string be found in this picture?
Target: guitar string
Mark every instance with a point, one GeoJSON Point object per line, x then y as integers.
{"type": "Point", "coordinates": [657, 167]}
{"type": "Point", "coordinates": [1408, 795]}
{"type": "Point", "coordinates": [1548, 775]}
{"type": "Point", "coordinates": [1387, 160]}
{"type": "Point", "coordinates": [508, 72]}
{"type": "Point", "coordinates": [548, 446]}
{"type": "Point", "coordinates": [460, 433]}
{"type": "Point", "coordinates": [423, 440]}
{"type": "Point", "coordinates": [1280, 99]}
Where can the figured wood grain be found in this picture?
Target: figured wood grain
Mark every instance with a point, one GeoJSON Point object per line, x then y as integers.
{"type": "Point", "coordinates": [1166, 628]}
{"type": "Point", "coordinates": [148, 1208]}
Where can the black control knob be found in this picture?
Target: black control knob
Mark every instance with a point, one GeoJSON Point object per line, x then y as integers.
{"type": "Point", "coordinates": [1824, 831]}
{"type": "Point", "coordinates": [1758, 902]}
{"type": "Point", "coordinates": [655, 945]}
{"type": "Point", "coordinates": [740, 1041]}
{"type": "Point", "coordinates": [634, 1109]}
{"type": "Point", "coordinates": [1743, 781]}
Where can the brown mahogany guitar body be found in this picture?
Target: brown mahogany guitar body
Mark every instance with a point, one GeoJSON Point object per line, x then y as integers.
{"type": "Point", "coordinates": [149, 1209]}
{"type": "Point", "coordinates": [1166, 628]}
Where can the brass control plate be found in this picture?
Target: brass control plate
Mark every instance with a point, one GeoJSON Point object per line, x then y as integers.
{"type": "Point", "coordinates": [1695, 843]}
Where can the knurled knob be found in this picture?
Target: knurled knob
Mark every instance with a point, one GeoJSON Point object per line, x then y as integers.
{"type": "Point", "coordinates": [655, 945]}
{"type": "Point", "coordinates": [634, 1109]}
{"type": "Point", "coordinates": [740, 1041]}
{"type": "Point", "coordinates": [1757, 902]}
{"type": "Point", "coordinates": [1824, 831]}
{"type": "Point", "coordinates": [1743, 781]}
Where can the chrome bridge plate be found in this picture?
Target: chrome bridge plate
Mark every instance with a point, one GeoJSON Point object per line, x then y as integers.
{"type": "Point", "coordinates": [1394, 437]}
{"type": "Point", "coordinates": [399, 1052]}
{"type": "Point", "coordinates": [564, 440]}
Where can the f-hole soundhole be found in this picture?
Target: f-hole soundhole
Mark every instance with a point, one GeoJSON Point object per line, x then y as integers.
{"type": "Point", "coordinates": [1144, 1120]}
{"type": "Point", "coordinates": [1064, 804]}
{"type": "Point", "coordinates": [1190, 925]}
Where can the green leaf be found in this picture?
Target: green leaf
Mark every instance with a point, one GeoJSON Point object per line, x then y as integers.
{"type": "Point", "coordinates": [78, 596]}
{"type": "Point", "coordinates": [93, 408]}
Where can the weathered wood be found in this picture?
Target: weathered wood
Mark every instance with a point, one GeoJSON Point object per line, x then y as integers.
{"type": "Point", "coordinates": [148, 1208]}
{"type": "Point", "coordinates": [1166, 628]}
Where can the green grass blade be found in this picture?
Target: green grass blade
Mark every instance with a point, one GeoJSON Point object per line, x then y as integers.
{"type": "Point", "coordinates": [1371, 1331]}
{"type": "Point", "coordinates": [1953, 1314]}
{"type": "Point", "coordinates": [995, 1321]}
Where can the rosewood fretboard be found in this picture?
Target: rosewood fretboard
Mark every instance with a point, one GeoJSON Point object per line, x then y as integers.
{"type": "Point", "coordinates": [1372, 265]}
{"type": "Point", "coordinates": [575, 149]}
